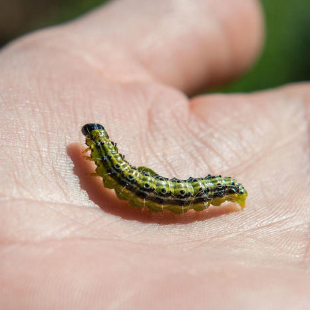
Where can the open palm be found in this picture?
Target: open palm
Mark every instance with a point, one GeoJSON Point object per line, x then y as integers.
{"type": "Point", "coordinates": [68, 243]}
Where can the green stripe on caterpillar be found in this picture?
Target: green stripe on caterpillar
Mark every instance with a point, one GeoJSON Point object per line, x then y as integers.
{"type": "Point", "coordinates": [143, 187]}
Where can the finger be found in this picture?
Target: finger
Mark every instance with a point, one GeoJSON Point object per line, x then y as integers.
{"type": "Point", "coordinates": [302, 92]}
{"type": "Point", "coordinates": [254, 123]}
{"type": "Point", "coordinates": [262, 138]}
{"type": "Point", "coordinates": [186, 44]}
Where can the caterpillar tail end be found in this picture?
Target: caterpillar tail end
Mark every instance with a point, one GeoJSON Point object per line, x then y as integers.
{"type": "Point", "coordinates": [241, 199]}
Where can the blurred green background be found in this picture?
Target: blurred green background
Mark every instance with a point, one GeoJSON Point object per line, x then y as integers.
{"type": "Point", "coordinates": [285, 58]}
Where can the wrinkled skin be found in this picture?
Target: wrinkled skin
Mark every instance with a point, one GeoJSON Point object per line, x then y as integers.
{"type": "Point", "coordinates": [68, 243]}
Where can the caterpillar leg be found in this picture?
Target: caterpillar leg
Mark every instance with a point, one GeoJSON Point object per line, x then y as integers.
{"type": "Point", "coordinates": [89, 158]}
{"type": "Point", "coordinates": [92, 174]}
{"type": "Point", "coordinates": [86, 150]}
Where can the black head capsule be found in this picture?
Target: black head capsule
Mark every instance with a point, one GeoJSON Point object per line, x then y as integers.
{"type": "Point", "coordinates": [86, 129]}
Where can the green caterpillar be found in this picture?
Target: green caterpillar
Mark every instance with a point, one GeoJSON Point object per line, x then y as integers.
{"type": "Point", "coordinates": [143, 187]}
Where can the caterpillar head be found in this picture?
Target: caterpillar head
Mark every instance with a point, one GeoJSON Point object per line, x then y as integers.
{"type": "Point", "coordinates": [88, 128]}
{"type": "Point", "coordinates": [93, 130]}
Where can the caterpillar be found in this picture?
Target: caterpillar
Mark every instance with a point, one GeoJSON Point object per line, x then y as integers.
{"type": "Point", "coordinates": [143, 187]}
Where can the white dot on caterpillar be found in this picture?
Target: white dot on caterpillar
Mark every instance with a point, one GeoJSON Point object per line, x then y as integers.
{"type": "Point", "coordinates": [123, 188]}
{"type": "Point", "coordinates": [194, 199]}
{"type": "Point", "coordinates": [108, 173]}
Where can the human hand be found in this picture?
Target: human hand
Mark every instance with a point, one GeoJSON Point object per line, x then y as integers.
{"type": "Point", "coordinates": [129, 65]}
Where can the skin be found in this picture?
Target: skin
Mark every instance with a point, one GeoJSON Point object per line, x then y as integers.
{"type": "Point", "coordinates": [68, 243]}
